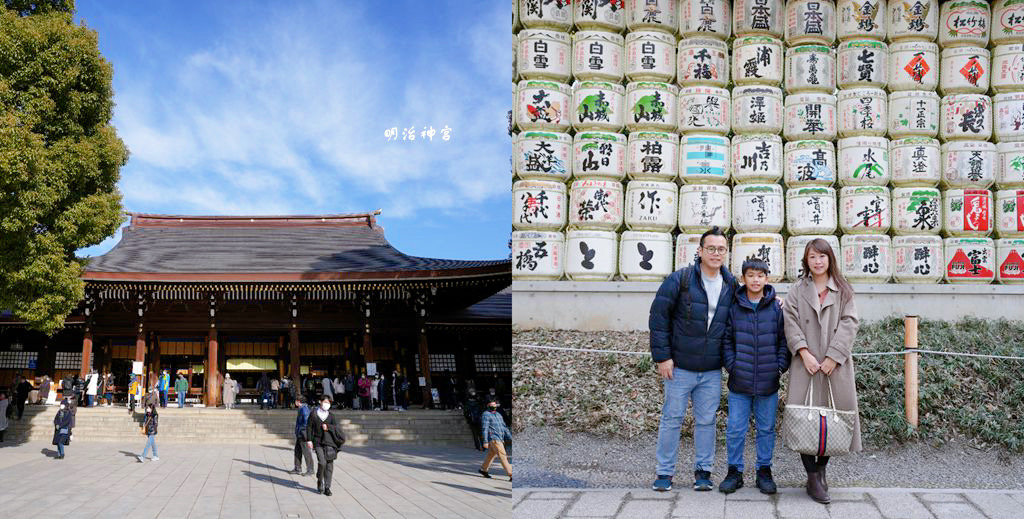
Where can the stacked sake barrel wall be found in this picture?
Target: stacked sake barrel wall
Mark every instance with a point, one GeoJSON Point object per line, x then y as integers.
{"type": "Point", "coordinates": [642, 123]}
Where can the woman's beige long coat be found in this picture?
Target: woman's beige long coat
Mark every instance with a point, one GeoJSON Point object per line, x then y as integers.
{"type": "Point", "coordinates": [826, 330]}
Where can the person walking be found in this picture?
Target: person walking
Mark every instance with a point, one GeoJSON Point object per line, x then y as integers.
{"type": "Point", "coordinates": [755, 356]}
{"type": "Point", "coordinates": [364, 392]}
{"type": "Point", "coordinates": [821, 325]}
{"type": "Point", "coordinates": [374, 394]}
{"type": "Point", "coordinates": [687, 326]}
{"type": "Point", "coordinates": [4, 403]}
{"type": "Point", "coordinates": [149, 428]}
{"type": "Point", "coordinates": [472, 412]}
{"type": "Point", "coordinates": [181, 388]}
{"type": "Point", "coordinates": [21, 391]}
{"type": "Point", "coordinates": [495, 433]}
{"type": "Point", "coordinates": [63, 423]}
{"type": "Point", "coordinates": [44, 389]}
{"type": "Point", "coordinates": [320, 438]}
{"type": "Point", "coordinates": [164, 387]}
{"type": "Point", "coordinates": [302, 448]}
{"type": "Point", "coordinates": [228, 392]}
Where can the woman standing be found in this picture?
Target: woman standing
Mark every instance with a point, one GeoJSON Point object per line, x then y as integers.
{"type": "Point", "coordinates": [62, 425]}
{"type": "Point", "coordinates": [821, 323]}
{"type": "Point", "coordinates": [149, 429]}
{"type": "Point", "coordinates": [374, 396]}
{"type": "Point", "coordinates": [228, 392]}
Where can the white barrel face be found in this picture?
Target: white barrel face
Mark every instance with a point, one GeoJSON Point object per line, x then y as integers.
{"type": "Point", "coordinates": [913, 114]}
{"type": "Point", "coordinates": [704, 159]}
{"type": "Point", "coordinates": [710, 18]}
{"type": "Point", "coordinates": [1010, 213]}
{"type": "Point", "coordinates": [540, 205]}
{"type": "Point", "coordinates": [598, 56]}
{"type": "Point", "coordinates": [811, 210]}
{"type": "Point", "coordinates": [810, 117]}
{"type": "Point", "coordinates": [544, 55]}
{"type": "Point", "coordinates": [752, 17]}
{"type": "Point", "coordinates": [865, 210]}
{"type": "Point", "coordinates": [757, 158]}
{"type": "Point", "coordinates": [913, 66]}
{"type": "Point", "coordinates": [543, 156]}
{"type": "Point", "coordinates": [645, 256]}
{"type": "Point", "coordinates": [687, 246]}
{"type": "Point", "coordinates": [599, 105]}
{"type": "Point", "coordinates": [915, 161]}
{"type": "Point", "coordinates": [1009, 253]}
{"type": "Point", "coordinates": [651, 206]}
{"type": "Point", "coordinates": [965, 116]}
{"type": "Point", "coordinates": [1007, 22]}
{"type": "Point", "coordinates": [866, 258]}
{"type": "Point", "coordinates": [702, 61]}
{"type": "Point", "coordinates": [595, 205]}
{"type": "Point", "coordinates": [968, 212]}
{"type": "Point", "coordinates": [863, 112]}
{"type": "Point", "coordinates": [767, 247]}
{"type": "Point", "coordinates": [757, 60]}
{"type": "Point", "coordinates": [703, 206]}
{"type": "Point", "coordinates": [543, 105]}
{"type": "Point", "coordinates": [864, 161]}
{"type": "Point", "coordinates": [968, 164]}
{"type": "Point", "coordinates": [650, 56]}
{"type": "Point", "coordinates": [595, 14]}
{"type": "Point", "coordinates": [653, 156]}
{"type": "Point", "coordinates": [599, 155]}
{"type": "Point", "coordinates": [965, 70]}
{"type": "Point", "coordinates": [918, 259]}
{"type": "Point", "coordinates": [795, 248]}
{"type": "Point", "coordinates": [651, 106]}
{"type": "Point", "coordinates": [757, 109]}
{"type": "Point", "coordinates": [1009, 117]}
{"type": "Point", "coordinates": [757, 208]}
{"type": "Point", "coordinates": [659, 15]}
{"type": "Point", "coordinates": [810, 163]}
{"type": "Point", "coordinates": [810, 68]}
{"type": "Point", "coordinates": [964, 23]}
{"type": "Point", "coordinates": [857, 20]}
{"type": "Point", "coordinates": [913, 20]}
{"type": "Point", "coordinates": [704, 109]}
{"type": "Point", "coordinates": [1008, 68]}
{"type": "Point", "coordinates": [970, 260]}
{"type": "Point", "coordinates": [591, 255]}
{"type": "Point", "coordinates": [536, 13]}
{"type": "Point", "coordinates": [916, 210]}
{"type": "Point", "coordinates": [538, 255]}
{"type": "Point", "coordinates": [810, 21]}
{"type": "Point", "coordinates": [863, 63]}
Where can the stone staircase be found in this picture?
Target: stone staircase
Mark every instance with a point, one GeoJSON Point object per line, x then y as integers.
{"type": "Point", "coordinates": [245, 425]}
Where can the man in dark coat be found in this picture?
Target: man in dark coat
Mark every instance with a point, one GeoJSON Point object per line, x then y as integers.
{"type": "Point", "coordinates": [302, 449]}
{"type": "Point", "coordinates": [22, 390]}
{"type": "Point", "coordinates": [322, 441]}
{"type": "Point", "coordinates": [687, 328]}
{"type": "Point", "coordinates": [472, 410]}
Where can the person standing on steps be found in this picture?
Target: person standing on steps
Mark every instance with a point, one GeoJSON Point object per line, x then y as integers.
{"type": "Point", "coordinates": [472, 412]}
{"type": "Point", "coordinates": [134, 393]}
{"type": "Point", "coordinates": [495, 434]}
{"type": "Point", "coordinates": [164, 387]}
{"type": "Point", "coordinates": [302, 448]}
{"type": "Point", "coordinates": [108, 389]}
{"type": "Point", "coordinates": [364, 393]}
{"type": "Point", "coordinates": [263, 389]}
{"type": "Point", "coordinates": [21, 391]}
{"type": "Point", "coordinates": [374, 394]}
{"type": "Point", "coordinates": [63, 423]}
{"type": "Point", "coordinates": [181, 388]}
{"type": "Point", "coordinates": [228, 391]}
{"type": "Point", "coordinates": [149, 429]}
{"type": "Point", "coordinates": [4, 403]}
{"type": "Point", "coordinates": [321, 434]}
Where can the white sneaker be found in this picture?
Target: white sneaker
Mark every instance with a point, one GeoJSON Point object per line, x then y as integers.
{"type": "Point", "coordinates": [140, 459]}
{"type": "Point", "coordinates": [154, 458]}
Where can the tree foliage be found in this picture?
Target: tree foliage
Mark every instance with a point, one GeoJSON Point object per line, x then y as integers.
{"type": "Point", "coordinates": [59, 158]}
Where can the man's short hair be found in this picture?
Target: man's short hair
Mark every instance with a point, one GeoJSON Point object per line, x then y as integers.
{"type": "Point", "coordinates": [303, 400]}
{"type": "Point", "coordinates": [327, 398]}
{"type": "Point", "coordinates": [714, 231]}
{"type": "Point", "coordinates": [755, 264]}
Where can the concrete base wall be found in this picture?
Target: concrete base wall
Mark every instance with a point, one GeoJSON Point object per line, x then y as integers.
{"type": "Point", "coordinates": [624, 306]}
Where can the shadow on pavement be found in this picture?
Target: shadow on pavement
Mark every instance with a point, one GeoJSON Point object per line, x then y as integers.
{"type": "Point", "coordinates": [261, 465]}
{"type": "Point", "coordinates": [49, 453]}
{"type": "Point", "coordinates": [474, 490]}
{"type": "Point", "coordinates": [276, 480]}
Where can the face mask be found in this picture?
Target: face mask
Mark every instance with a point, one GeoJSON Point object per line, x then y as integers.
{"type": "Point", "coordinates": [326, 407]}
{"type": "Point", "coordinates": [62, 406]}
{"type": "Point", "coordinates": [492, 407]}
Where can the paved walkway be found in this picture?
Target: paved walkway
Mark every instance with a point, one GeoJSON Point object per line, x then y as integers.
{"type": "Point", "coordinates": [853, 503]}
{"type": "Point", "coordinates": [245, 481]}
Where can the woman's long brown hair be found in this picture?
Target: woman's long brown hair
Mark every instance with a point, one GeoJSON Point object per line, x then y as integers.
{"type": "Point", "coordinates": [821, 246]}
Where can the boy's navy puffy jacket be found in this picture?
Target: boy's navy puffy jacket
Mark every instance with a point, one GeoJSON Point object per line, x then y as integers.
{"type": "Point", "coordinates": [755, 344]}
{"type": "Point", "coordinates": [679, 321]}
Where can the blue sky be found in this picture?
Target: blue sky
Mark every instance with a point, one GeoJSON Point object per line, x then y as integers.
{"type": "Point", "coordinates": [281, 108]}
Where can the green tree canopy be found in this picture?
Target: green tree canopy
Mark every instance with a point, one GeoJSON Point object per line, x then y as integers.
{"type": "Point", "coordinates": [59, 158]}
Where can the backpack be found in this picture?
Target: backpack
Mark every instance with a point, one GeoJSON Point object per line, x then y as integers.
{"type": "Point", "coordinates": [405, 386]}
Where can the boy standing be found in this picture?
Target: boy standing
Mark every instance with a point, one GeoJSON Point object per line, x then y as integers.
{"type": "Point", "coordinates": [755, 355]}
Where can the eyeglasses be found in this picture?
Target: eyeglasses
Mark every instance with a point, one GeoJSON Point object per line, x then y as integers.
{"type": "Point", "coordinates": [716, 250]}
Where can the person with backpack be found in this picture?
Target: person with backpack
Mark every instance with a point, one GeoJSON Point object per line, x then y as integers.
{"type": "Point", "coordinates": [164, 387]}
{"type": "Point", "coordinates": [325, 438]}
{"type": "Point", "coordinates": [134, 393]}
{"type": "Point", "coordinates": [687, 329]}
{"type": "Point", "coordinates": [495, 434]}
{"type": "Point", "coordinates": [181, 388]}
{"type": "Point", "coordinates": [755, 356]}
{"type": "Point", "coordinates": [63, 423]}
{"type": "Point", "coordinates": [302, 448]}
{"type": "Point", "coordinates": [149, 428]}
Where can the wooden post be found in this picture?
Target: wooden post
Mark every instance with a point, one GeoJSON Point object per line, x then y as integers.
{"type": "Point", "coordinates": [368, 355]}
{"type": "Point", "coordinates": [86, 352]}
{"type": "Point", "coordinates": [296, 362]}
{"type": "Point", "coordinates": [425, 370]}
{"type": "Point", "coordinates": [212, 389]}
{"type": "Point", "coordinates": [140, 355]}
{"type": "Point", "coordinates": [910, 383]}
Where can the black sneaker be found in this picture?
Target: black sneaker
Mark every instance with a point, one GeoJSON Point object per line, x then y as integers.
{"type": "Point", "coordinates": [733, 481]}
{"type": "Point", "coordinates": [702, 480]}
{"type": "Point", "coordinates": [662, 484]}
{"type": "Point", "coordinates": [765, 481]}
{"type": "Point", "coordinates": [484, 473]}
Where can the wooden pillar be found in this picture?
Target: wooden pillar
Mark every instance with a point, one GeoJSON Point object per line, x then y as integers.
{"type": "Point", "coordinates": [368, 355]}
{"type": "Point", "coordinates": [140, 356]}
{"type": "Point", "coordinates": [428, 402]}
{"type": "Point", "coordinates": [296, 360]}
{"type": "Point", "coordinates": [212, 395]}
{"type": "Point", "coordinates": [156, 356]}
{"type": "Point", "coordinates": [86, 352]}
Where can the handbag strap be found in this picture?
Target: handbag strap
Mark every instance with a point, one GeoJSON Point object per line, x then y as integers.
{"type": "Point", "coordinates": [810, 389]}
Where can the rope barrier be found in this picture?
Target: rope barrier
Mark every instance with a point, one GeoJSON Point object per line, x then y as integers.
{"type": "Point", "coordinates": [865, 354]}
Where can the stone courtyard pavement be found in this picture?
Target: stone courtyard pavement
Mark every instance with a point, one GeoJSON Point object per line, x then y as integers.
{"type": "Point", "coordinates": [245, 481]}
{"type": "Point", "coordinates": [852, 503]}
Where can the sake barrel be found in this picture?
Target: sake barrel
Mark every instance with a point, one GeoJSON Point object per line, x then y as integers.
{"type": "Point", "coordinates": [516, 25]}
{"type": "Point", "coordinates": [540, 205]}
{"type": "Point", "coordinates": [538, 14]}
{"type": "Point", "coordinates": [916, 210]}
{"type": "Point", "coordinates": [543, 155]}
{"type": "Point", "coordinates": [1010, 213]}
{"type": "Point", "coordinates": [542, 105]}
{"type": "Point", "coordinates": [857, 20]}
{"type": "Point", "coordinates": [913, 65]}
{"type": "Point", "coordinates": [1009, 116]}
{"type": "Point", "coordinates": [704, 159]}
{"type": "Point", "coordinates": [599, 105]}
{"type": "Point", "coordinates": [600, 155]}
{"type": "Point", "coordinates": [706, 18]}
{"type": "Point", "coordinates": [811, 210]}
{"type": "Point", "coordinates": [1010, 257]}
{"type": "Point", "coordinates": [766, 247]}
{"type": "Point", "coordinates": [650, 56]}
{"type": "Point", "coordinates": [913, 113]}
{"type": "Point", "coordinates": [703, 206]}
{"type": "Point", "coordinates": [970, 260]}
{"type": "Point", "coordinates": [915, 162]}
{"type": "Point", "coordinates": [652, 156]}
{"type": "Point", "coordinates": [751, 17]}
{"type": "Point", "coordinates": [757, 60]}
{"type": "Point", "coordinates": [810, 21]}
{"type": "Point", "coordinates": [810, 68]}
{"type": "Point", "coordinates": [757, 109]}
{"type": "Point", "coordinates": [810, 116]}
{"type": "Point", "coordinates": [918, 259]}
{"type": "Point", "coordinates": [866, 258]}
{"type": "Point", "coordinates": [1010, 168]}
{"type": "Point", "coordinates": [544, 55]}
{"type": "Point", "coordinates": [604, 16]}
{"type": "Point", "coordinates": [965, 116]}
{"type": "Point", "coordinates": [965, 70]}
{"type": "Point", "coordinates": [862, 63]}
{"type": "Point", "coordinates": [810, 163]}
{"type": "Point", "coordinates": [864, 161]}
{"type": "Point", "coordinates": [704, 109]}
{"type": "Point", "coordinates": [598, 56]}
{"type": "Point", "coordinates": [913, 20]}
{"type": "Point", "coordinates": [795, 248]}
{"type": "Point", "coordinates": [862, 112]}
{"type": "Point", "coordinates": [687, 246]}
{"type": "Point", "coordinates": [757, 158]}
{"type": "Point", "coordinates": [645, 256]}
{"type": "Point", "coordinates": [1007, 22]}
{"type": "Point", "coordinates": [864, 210]}
{"type": "Point", "coordinates": [595, 204]}
{"type": "Point", "coordinates": [591, 255]}
{"type": "Point", "coordinates": [537, 255]}
{"type": "Point", "coordinates": [651, 206]}
{"type": "Point", "coordinates": [968, 164]}
{"type": "Point", "coordinates": [757, 208]}
{"type": "Point", "coordinates": [702, 61]}
{"type": "Point", "coordinates": [964, 23]}
{"type": "Point", "coordinates": [651, 106]}
{"type": "Point", "coordinates": [660, 15]}
{"type": "Point", "coordinates": [1007, 71]}
{"type": "Point", "coordinates": [967, 212]}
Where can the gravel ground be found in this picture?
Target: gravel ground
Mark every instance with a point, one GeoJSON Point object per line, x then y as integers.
{"type": "Point", "coordinates": [550, 457]}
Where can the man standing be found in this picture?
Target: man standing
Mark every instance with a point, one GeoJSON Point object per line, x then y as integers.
{"type": "Point", "coordinates": [286, 392]}
{"type": "Point", "coordinates": [275, 392]}
{"type": "Point", "coordinates": [687, 327]}
{"type": "Point", "coordinates": [21, 391]}
{"type": "Point", "coordinates": [165, 386]}
{"type": "Point", "coordinates": [471, 410]}
{"type": "Point", "coordinates": [302, 449]}
{"type": "Point", "coordinates": [181, 388]}
{"type": "Point", "coordinates": [320, 437]}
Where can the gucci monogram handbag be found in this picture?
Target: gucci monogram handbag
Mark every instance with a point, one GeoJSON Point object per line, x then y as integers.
{"type": "Point", "coordinates": [818, 431]}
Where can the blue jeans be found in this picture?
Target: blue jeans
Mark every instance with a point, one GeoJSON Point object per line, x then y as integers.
{"type": "Point", "coordinates": [181, 399]}
{"type": "Point", "coordinates": [764, 408]}
{"type": "Point", "coordinates": [60, 448]}
{"type": "Point", "coordinates": [110, 397]}
{"type": "Point", "coordinates": [705, 389]}
{"type": "Point", "coordinates": [163, 398]}
{"type": "Point", "coordinates": [150, 442]}
{"type": "Point", "coordinates": [88, 400]}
